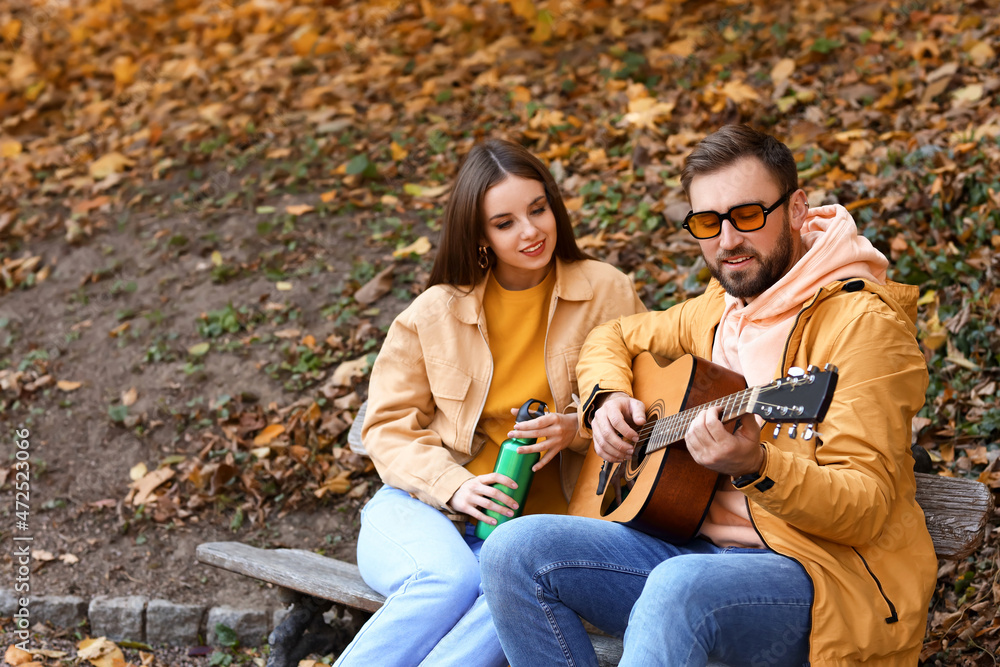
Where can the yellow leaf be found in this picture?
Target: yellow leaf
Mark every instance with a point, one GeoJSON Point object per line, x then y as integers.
{"type": "Point", "coordinates": [981, 54]}
{"type": "Point", "coordinates": [543, 28]}
{"type": "Point", "coordinates": [418, 247]}
{"type": "Point", "coordinates": [739, 92]}
{"type": "Point", "coordinates": [144, 487]}
{"type": "Point", "coordinates": [283, 286]}
{"type": "Point", "coordinates": [199, 349]}
{"type": "Point", "coordinates": [100, 652]}
{"type": "Point", "coordinates": [137, 472]}
{"type": "Point", "coordinates": [304, 39]}
{"type": "Point", "coordinates": [298, 209]}
{"type": "Point", "coordinates": [348, 370]}
{"type": "Point", "coordinates": [67, 386]}
{"type": "Point", "coordinates": [970, 93]}
{"type": "Point", "coordinates": [119, 330]}
{"type": "Point", "coordinates": [216, 258]}
{"type": "Point", "coordinates": [10, 148]}
{"type": "Point", "coordinates": [328, 197]}
{"type": "Point", "coordinates": [124, 71]}
{"type": "Point", "coordinates": [112, 163]}
{"type": "Point", "coordinates": [398, 152]}
{"type": "Point", "coordinates": [659, 13]}
{"type": "Point", "coordinates": [266, 436]}
{"type": "Point", "coordinates": [782, 70]}
{"type": "Point", "coordinates": [261, 452]}
{"type": "Point", "coordinates": [524, 9]}
{"type": "Point", "coordinates": [16, 656]}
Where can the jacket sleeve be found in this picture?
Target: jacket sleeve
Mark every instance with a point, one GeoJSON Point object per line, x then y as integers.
{"type": "Point", "coordinates": [844, 493]}
{"type": "Point", "coordinates": [629, 303]}
{"type": "Point", "coordinates": [606, 356]}
{"type": "Point", "coordinates": [407, 453]}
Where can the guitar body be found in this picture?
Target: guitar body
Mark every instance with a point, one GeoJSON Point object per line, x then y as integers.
{"type": "Point", "coordinates": [664, 492]}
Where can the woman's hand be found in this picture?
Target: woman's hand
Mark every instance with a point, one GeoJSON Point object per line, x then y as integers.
{"type": "Point", "coordinates": [478, 492]}
{"type": "Point", "coordinates": [558, 429]}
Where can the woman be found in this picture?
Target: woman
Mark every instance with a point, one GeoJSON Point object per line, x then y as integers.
{"type": "Point", "coordinates": [509, 302]}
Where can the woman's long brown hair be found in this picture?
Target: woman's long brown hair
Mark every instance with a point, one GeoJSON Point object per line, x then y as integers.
{"type": "Point", "coordinates": [489, 163]}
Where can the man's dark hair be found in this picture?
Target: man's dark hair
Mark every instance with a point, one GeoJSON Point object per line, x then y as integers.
{"type": "Point", "coordinates": [734, 142]}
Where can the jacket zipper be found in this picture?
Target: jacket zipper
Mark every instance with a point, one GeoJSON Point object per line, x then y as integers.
{"type": "Point", "coordinates": [893, 617]}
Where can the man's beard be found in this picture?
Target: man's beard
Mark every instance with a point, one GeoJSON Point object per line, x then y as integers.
{"type": "Point", "coordinates": [771, 268]}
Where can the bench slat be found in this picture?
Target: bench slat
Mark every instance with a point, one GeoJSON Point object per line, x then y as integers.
{"type": "Point", "coordinates": [299, 570]}
{"type": "Point", "coordinates": [957, 511]}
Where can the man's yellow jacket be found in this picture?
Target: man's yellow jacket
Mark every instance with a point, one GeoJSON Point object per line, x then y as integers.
{"type": "Point", "coordinates": [842, 506]}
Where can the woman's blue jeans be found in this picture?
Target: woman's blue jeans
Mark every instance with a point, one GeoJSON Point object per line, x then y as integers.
{"type": "Point", "coordinates": [675, 605]}
{"type": "Point", "coordinates": [434, 613]}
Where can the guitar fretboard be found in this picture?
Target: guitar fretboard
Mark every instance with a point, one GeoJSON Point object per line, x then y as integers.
{"type": "Point", "coordinates": [668, 430]}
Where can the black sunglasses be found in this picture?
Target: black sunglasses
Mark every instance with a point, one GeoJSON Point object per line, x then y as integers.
{"type": "Point", "coordinates": [745, 217]}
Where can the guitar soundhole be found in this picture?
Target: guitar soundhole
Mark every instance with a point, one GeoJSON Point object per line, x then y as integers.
{"type": "Point", "coordinates": [624, 475]}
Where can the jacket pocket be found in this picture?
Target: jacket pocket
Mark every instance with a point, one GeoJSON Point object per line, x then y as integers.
{"type": "Point", "coordinates": [449, 388]}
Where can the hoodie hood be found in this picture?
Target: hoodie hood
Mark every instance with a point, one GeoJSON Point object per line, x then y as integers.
{"type": "Point", "coordinates": [750, 336]}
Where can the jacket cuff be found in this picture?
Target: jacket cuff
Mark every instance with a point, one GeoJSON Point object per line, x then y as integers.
{"type": "Point", "coordinates": [762, 482]}
{"type": "Point", "coordinates": [447, 484]}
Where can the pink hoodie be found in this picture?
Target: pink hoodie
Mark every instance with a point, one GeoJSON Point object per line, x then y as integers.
{"type": "Point", "coordinates": [750, 338]}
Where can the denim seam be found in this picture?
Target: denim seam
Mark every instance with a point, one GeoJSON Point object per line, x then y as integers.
{"type": "Point", "coordinates": [547, 610]}
{"type": "Point", "coordinates": [402, 588]}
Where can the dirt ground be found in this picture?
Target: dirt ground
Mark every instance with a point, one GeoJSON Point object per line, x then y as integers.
{"type": "Point", "coordinates": [154, 272]}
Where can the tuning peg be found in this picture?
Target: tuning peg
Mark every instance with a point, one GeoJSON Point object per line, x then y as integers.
{"type": "Point", "coordinates": [795, 372]}
{"type": "Point", "coordinates": [830, 368]}
{"type": "Point", "coordinates": [793, 431]}
{"type": "Point", "coordinates": [812, 368]}
{"type": "Point", "coordinates": [777, 430]}
{"type": "Point", "coordinates": [808, 435]}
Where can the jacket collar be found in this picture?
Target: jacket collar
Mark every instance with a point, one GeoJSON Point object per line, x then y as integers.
{"type": "Point", "coordinates": [572, 284]}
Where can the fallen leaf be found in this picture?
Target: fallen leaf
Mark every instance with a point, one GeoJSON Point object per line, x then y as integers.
{"type": "Point", "coordinates": [970, 93]}
{"type": "Point", "coordinates": [348, 370]}
{"type": "Point", "coordinates": [137, 472]}
{"type": "Point", "coordinates": [375, 288]}
{"type": "Point", "coordinates": [69, 559]}
{"type": "Point", "coordinates": [100, 652]}
{"type": "Point", "coordinates": [419, 247]}
{"type": "Point", "coordinates": [16, 656]}
{"type": "Point", "coordinates": [283, 286]}
{"type": "Point", "coordinates": [267, 435]}
{"type": "Point", "coordinates": [288, 333]}
{"type": "Point", "coordinates": [783, 69]}
{"type": "Point", "coordinates": [120, 329]}
{"type": "Point", "coordinates": [42, 555]}
{"type": "Point", "coordinates": [199, 349]}
{"type": "Point", "coordinates": [299, 209]}
{"type": "Point", "coordinates": [144, 487]}
{"type": "Point", "coordinates": [112, 163]}
{"type": "Point", "coordinates": [10, 148]}
{"type": "Point", "coordinates": [129, 396]}
{"type": "Point", "coordinates": [68, 386]}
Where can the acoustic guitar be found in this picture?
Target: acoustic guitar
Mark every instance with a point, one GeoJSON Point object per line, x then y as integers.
{"type": "Point", "coordinates": [661, 490]}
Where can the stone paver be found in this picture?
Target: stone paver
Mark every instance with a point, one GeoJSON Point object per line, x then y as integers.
{"type": "Point", "coordinates": [174, 624]}
{"type": "Point", "coordinates": [118, 618]}
{"type": "Point", "coordinates": [60, 611]}
{"type": "Point", "coordinates": [250, 625]}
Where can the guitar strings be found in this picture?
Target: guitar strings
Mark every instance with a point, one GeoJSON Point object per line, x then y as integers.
{"type": "Point", "coordinates": [674, 426]}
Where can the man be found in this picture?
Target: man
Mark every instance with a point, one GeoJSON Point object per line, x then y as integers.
{"type": "Point", "coordinates": [795, 560]}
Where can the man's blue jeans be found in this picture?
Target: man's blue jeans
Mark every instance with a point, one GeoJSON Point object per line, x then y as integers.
{"type": "Point", "coordinates": [675, 605]}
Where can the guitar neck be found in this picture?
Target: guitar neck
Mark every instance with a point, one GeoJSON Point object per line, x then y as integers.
{"type": "Point", "coordinates": [671, 429]}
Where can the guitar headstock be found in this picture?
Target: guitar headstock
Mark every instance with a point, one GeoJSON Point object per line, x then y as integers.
{"type": "Point", "coordinates": [803, 396]}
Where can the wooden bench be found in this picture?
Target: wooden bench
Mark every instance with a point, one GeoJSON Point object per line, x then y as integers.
{"type": "Point", "coordinates": [957, 513]}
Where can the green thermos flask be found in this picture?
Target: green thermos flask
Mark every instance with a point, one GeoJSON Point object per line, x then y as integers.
{"type": "Point", "coordinates": [516, 466]}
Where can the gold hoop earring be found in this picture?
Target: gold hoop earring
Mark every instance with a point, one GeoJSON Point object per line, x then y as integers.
{"type": "Point", "coordinates": [484, 259]}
